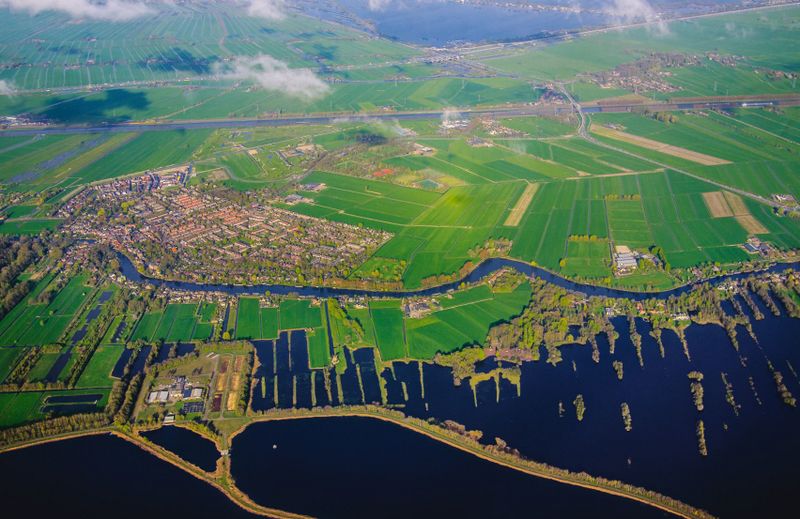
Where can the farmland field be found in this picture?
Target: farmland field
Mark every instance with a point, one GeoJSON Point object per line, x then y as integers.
{"type": "Point", "coordinates": [248, 319]}
{"type": "Point", "coordinates": [297, 314]}
{"type": "Point", "coordinates": [8, 358]}
{"type": "Point", "coordinates": [769, 44]}
{"type": "Point", "coordinates": [215, 213]}
{"type": "Point", "coordinates": [98, 372]}
{"type": "Point", "coordinates": [36, 324]}
{"type": "Point", "coordinates": [31, 226]}
{"type": "Point", "coordinates": [177, 323]}
{"type": "Point", "coordinates": [137, 155]}
{"type": "Point", "coordinates": [318, 349]}
{"type": "Point", "coordinates": [389, 333]}
{"type": "Point", "coordinates": [147, 325]}
{"type": "Point", "coordinates": [463, 324]}
{"type": "Point", "coordinates": [666, 210]}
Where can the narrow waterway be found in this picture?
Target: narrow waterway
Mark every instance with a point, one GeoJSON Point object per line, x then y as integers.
{"type": "Point", "coordinates": [486, 268]}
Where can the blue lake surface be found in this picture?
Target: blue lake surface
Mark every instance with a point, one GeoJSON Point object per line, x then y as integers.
{"type": "Point", "coordinates": [753, 451]}
{"type": "Point", "coordinates": [187, 444]}
{"type": "Point", "coordinates": [440, 23]}
{"type": "Point", "coordinates": [361, 467]}
{"type": "Point", "coordinates": [103, 476]}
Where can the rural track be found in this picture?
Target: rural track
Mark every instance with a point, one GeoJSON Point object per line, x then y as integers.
{"type": "Point", "coordinates": [584, 134]}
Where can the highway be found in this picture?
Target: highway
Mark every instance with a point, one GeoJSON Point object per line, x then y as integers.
{"type": "Point", "coordinates": [499, 112]}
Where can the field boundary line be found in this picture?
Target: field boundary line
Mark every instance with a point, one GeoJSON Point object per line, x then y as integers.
{"type": "Point", "coordinates": [521, 206]}
{"type": "Point", "coordinates": [660, 147]}
{"type": "Point", "coordinates": [790, 141]}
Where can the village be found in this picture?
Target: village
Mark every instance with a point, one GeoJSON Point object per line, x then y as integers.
{"type": "Point", "coordinates": [196, 235]}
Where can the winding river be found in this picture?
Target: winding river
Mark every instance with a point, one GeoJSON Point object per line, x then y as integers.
{"type": "Point", "coordinates": [486, 268]}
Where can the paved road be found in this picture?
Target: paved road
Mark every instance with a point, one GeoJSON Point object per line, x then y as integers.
{"type": "Point", "coordinates": [548, 109]}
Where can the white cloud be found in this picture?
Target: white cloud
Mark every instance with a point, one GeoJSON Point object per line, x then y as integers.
{"type": "Point", "coordinates": [631, 11]}
{"type": "Point", "coordinates": [6, 88]}
{"type": "Point", "coordinates": [272, 74]}
{"type": "Point", "coordinates": [450, 115]}
{"type": "Point", "coordinates": [378, 5]}
{"type": "Point", "coordinates": [111, 10]}
{"type": "Point", "coordinates": [269, 9]}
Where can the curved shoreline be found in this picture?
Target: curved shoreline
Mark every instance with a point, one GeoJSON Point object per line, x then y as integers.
{"type": "Point", "coordinates": [436, 433]}
{"type": "Point", "coordinates": [222, 479]}
{"type": "Point", "coordinates": [482, 270]}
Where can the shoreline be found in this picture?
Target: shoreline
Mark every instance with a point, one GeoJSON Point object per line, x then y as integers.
{"type": "Point", "coordinates": [222, 479]}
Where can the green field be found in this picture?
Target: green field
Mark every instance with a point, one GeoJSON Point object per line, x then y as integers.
{"type": "Point", "coordinates": [19, 408]}
{"type": "Point", "coordinates": [769, 43]}
{"type": "Point", "coordinates": [98, 372]}
{"type": "Point", "coordinates": [146, 326]}
{"type": "Point", "coordinates": [439, 240]}
{"type": "Point", "coordinates": [32, 226]}
{"type": "Point", "coordinates": [588, 259]}
{"type": "Point", "coordinates": [319, 355]}
{"type": "Point", "coordinates": [147, 151]}
{"type": "Point", "coordinates": [387, 319]}
{"type": "Point", "coordinates": [376, 204]}
{"type": "Point", "coordinates": [666, 210]}
{"type": "Point", "coordinates": [298, 314]}
{"type": "Point", "coordinates": [8, 358]}
{"type": "Point", "coordinates": [36, 324]}
{"type": "Point", "coordinates": [253, 322]}
{"type": "Point", "coordinates": [465, 322]}
{"type": "Point", "coordinates": [248, 319]}
{"type": "Point", "coordinates": [177, 323]}
{"type": "Point", "coordinates": [42, 367]}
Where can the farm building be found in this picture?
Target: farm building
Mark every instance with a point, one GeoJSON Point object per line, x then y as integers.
{"type": "Point", "coordinates": [624, 259]}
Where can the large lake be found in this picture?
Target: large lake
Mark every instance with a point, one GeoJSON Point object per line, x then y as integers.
{"type": "Point", "coordinates": [362, 467]}
{"type": "Point", "coordinates": [750, 469]}
{"type": "Point", "coordinates": [433, 23]}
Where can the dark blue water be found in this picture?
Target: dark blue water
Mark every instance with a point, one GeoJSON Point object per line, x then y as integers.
{"type": "Point", "coordinates": [68, 409]}
{"type": "Point", "coordinates": [360, 467]}
{"type": "Point", "coordinates": [163, 352]}
{"type": "Point", "coordinates": [102, 476]}
{"type": "Point", "coordinates": [59, 365]}
{"type": "Point", "coordinates": [188, 445]}
{"type": "Point", "coordinates": [119, 331]}
{"type": "Point", "coordinates": [751, 466]}
{"type": "Point", "coordinates": [119, 367]}
{"type": "Point", "coordinates": [73, 399]}
{"type": "Point", "coordinates": [141, 360]}
{"type": "Point", "coordinates": [263, 379]}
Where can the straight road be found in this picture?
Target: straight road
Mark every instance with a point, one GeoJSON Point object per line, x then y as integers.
{"type": "Point", "coordinates": [521, 111]}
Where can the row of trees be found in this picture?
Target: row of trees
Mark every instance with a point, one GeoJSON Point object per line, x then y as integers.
{"type": "Point", "coordinates": [17, 253]}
